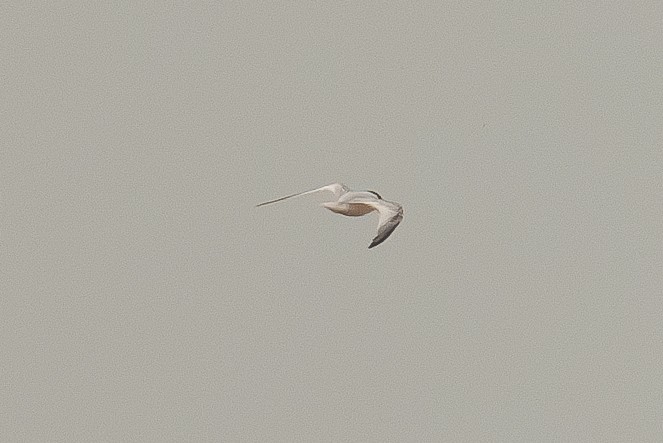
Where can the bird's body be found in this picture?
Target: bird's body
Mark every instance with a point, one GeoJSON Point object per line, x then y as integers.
{"type": "Point", "coordinates": [349, 209]}
{"type": "Point", "coordinates": [358, 203]}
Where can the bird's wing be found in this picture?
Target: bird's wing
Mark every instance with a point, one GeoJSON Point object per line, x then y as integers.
{"type": "Point", "coordinates": [337, 189]}
{"type": "Point", "coordinates": [391, 215]}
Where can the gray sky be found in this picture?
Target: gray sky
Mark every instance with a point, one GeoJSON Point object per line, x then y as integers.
{"type": "Point", "coordinates": [146, 298]}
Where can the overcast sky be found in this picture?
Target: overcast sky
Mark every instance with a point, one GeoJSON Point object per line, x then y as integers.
{"type": "Point", "coordinates": [145, 298]}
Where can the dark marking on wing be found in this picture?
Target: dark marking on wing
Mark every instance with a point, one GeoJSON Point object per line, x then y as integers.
{"type": "Point", "coordinates": [375, 194]}
{"type": "Point", "coordinates": [386, 230]}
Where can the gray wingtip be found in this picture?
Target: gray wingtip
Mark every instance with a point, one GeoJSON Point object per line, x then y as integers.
{"type": "Point", "coordinates": [376, 241]}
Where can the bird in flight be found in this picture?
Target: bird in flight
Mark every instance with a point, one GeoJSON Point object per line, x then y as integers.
{"type": "Point", "coordinates": [357, 203]}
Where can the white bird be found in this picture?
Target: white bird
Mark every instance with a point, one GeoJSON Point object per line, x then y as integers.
{"type": "Point", "coordinates": [357, 203]}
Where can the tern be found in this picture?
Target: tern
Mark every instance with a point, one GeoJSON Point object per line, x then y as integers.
{"type": "Point", "coordinates": [358, 203]}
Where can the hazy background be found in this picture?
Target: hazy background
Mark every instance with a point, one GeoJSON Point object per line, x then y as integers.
{"type": "Point", "coordinates": [145, 298]}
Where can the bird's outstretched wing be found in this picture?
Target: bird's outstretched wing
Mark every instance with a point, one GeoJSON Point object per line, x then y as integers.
{"type": "Point", "coordinates": [337, 189]}
{"type": "Point", "coordinates": [391, 214]}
